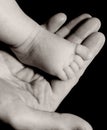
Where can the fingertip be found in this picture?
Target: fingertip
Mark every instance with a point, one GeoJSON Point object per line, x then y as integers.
{"type": "Point", "coordinates": [101, 36]}
{"type": "Point", "coordinates": [98, 38]}
{"type": "Point", "coordinates": [96, 21]}
{"type": "Point", "coordinates": [61, 16]}
{"type": "Point", "coordinates": [82, 124]}
{"type": "Point", "coordinates": [56, 21]}
{"type": "Point", "coordinates": [86, 15]}
{"type": "Point", "coordinates": [88, 126]}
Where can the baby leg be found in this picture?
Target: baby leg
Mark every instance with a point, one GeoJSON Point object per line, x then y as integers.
{"type": "Point", "coordinates": [37, 47]}
{"type": "Point", "coordinates": [57, 56]}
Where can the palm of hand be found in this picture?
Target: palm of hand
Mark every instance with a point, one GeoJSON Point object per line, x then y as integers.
{"type": "Point", "coordinates": [23, 90]}
{"type": "Point", "coordinates": [30, 87]}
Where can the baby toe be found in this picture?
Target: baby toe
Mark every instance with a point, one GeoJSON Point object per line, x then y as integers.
{"type": "Point", "coordinates": [83, 52]}
{"type": "Point", "coordinates": [79, 61]}
{"type": "Point", "coordinates": [61, 74]}
{"type": "Point", "coordinates": [74, 66]}
{"type": "Point", "coordinates": [69, 72]}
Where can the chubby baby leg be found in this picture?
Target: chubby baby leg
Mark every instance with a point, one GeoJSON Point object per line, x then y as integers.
{"type": "Point", "coordinates": [36, 46]}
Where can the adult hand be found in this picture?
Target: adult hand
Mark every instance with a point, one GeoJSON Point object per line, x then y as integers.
{"type": "Point", "coordinates": [24, 93]}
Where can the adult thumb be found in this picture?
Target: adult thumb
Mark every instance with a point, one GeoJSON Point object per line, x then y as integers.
{"type": "Point", "coordinates": [29, 119]}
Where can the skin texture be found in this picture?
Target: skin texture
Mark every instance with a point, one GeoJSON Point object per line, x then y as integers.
{"type": "Point", "coordinates": [28, 102]}
{"type": "Point", "coordinates": [36, 46]}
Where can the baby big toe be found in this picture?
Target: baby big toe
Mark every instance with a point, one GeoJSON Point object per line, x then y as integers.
{"type": "Point", "coordinates": [83, 52]}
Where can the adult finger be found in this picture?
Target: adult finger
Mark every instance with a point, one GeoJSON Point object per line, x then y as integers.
{"type": "Point", "coordinates": [95, 43]}
{"type": "Point", "coordinates": [90, 26]}
{"type": "Point", "coordinates": [64, 31]}
{"type": "Point", "coordinates": [55, 22]}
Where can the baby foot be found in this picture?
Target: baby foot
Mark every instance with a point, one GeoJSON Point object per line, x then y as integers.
{"type": "Point", "coordinates": [55, 55]}
{"type": "Point", "coordinates": [39, 85]}
{"type": "Point", "coordinates": [37, 47]}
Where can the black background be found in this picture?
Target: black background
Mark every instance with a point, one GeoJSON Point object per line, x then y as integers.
{"type": "Point", "coordinates": [88, 97]}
